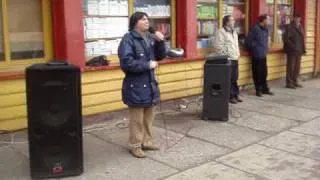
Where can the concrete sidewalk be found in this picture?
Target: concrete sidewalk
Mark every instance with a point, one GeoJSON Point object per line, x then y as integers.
{"type": "Point", "coordinates": [270, 138]}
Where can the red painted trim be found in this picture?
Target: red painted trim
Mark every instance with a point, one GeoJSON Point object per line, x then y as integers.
{"type": "Point", "coordinates": [255, 11]}
{"type": "Point", "coordinates": [11, 75]}
{"type": "Point", "coordinates": [300, 7]}
{"type": "Point", "coordinates": [109, 67]}
{"type": "Point", "coordinates": [68, 31]}
{"type": "Point", "coordinates": [276, 50]}
{"type": "Point", "coordinates": [187, 27]}
{"type": "Point", "coordinates": [182, 60]}
{"type": "Point", "coordinates": [58, 29]}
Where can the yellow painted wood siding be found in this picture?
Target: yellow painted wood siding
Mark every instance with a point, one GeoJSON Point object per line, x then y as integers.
{"type": "Point", "coordinates": [101, 90]}
{"type": "Point", "coordinates": [12, 105]}
{"type": "Point", "coordinates": [307, 64]}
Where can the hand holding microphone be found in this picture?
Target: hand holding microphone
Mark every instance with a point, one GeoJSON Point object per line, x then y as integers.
{"type": "Point", "coordinates": [159, 36]}
{"type": "Point", "coordinates": [173, 52]}
{"type": "Point", "coordinates": [153, 64]}
{"type": "Point", "coordinates": [156, 34]}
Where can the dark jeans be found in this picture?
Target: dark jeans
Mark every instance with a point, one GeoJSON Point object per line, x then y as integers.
{"type": "Point", "coordinates": [260, 73]}
{"type": "Point", "coordinates": [234, 88]}
{"type": "Point", "coordinates": [293, 69]}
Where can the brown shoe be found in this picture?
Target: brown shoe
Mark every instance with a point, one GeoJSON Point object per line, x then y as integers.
{"type": "Point", "coordinates": [298, 85]}
{"type": "Point", "coordinates": [137, 152]}
{"type": "Point", "coordinates": [150, 147]}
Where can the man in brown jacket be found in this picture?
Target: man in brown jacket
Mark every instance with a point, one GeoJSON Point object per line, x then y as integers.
{"type": "Point", "coordinates": [294, 47]}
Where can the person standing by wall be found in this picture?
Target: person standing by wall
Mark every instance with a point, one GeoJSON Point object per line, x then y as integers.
{"type": "Point", "coordinates": [139, 52]}
{"type": "Point", "coordinates": [294, 47]}
{"type": "Point", "coordinates": [227, 44]}
{"type": "Point", "coordinates": [257, 44]}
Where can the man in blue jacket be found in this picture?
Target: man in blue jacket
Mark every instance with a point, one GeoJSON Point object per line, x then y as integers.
{"type": "Point", "coordinates": [139, 52]}
{"type": "Point", "coordinates": [257, 44]}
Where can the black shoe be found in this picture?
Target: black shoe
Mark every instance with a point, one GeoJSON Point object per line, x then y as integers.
{"type": "Point", "coordinates": [233, 101]}
{"type": "Point", "coordinates": [259, 94]}
{"type": "Point", "coordinates": [268, 93]}
{"type": "Point", "coordinates": [298, 85]}
{"type": "Point", "coordinates": [239, 99]}
{"type": "Point", "coordinates": [291, 87]}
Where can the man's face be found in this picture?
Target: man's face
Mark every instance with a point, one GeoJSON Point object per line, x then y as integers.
{"type": "Point", "coordinates": [297, 20]}
{"type": "Point", "coordinates": [231, 22]}
{"type": "Point", "coordinates": [265, 23]}
{"type": "Point", "coordinates": [143, 24]}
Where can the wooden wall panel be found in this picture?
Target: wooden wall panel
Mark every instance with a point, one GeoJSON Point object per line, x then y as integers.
{"type": "Point", "coordinates": [308, 61]}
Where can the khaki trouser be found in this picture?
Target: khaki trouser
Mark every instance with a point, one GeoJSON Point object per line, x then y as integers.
{"type": "Point", "coordinates": [141, 120]}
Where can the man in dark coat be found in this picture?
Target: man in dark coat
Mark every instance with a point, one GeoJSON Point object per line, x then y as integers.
{"type": "Point", "coordinates": [257, 43]}
{"type": "Point", "coordinates": [294, 47]}
{"type": "Point", "coordinates": [139, 52]}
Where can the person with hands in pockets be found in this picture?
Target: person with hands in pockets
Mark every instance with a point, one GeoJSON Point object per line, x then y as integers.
{"type": "Point", "coordinates": [294, 47]}
{"type": "Point", "coordinates": [226, 43]}
{"type": "Point", "coordinates": [257, 43]}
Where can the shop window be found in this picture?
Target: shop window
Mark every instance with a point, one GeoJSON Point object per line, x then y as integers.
{"type": "Point", "coordinates": [25, 32]}
{"type": "Point", "coordinates": [280, 12]}
{"type": "Point", "coordinates": [238, 9]}
{"type": "Point", "coordinates": [25, 29]}
{"type": "Point", "coordinates": [106, 21]}
{"type": "Point", "coordinates": [160, 16]}
{"type": "Point", "coordinates": [210, 14]}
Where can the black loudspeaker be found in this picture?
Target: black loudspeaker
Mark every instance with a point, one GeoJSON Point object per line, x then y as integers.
{"type": "Point", "coordinates": [216, 88]}
{"type": "Point", "coordinates": [54, 120]}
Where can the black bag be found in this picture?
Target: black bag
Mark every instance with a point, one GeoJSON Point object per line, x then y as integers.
{"type": "Point", "coordinates": [98, 61]}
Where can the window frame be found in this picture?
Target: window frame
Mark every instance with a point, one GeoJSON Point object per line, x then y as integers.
{"type": "Point", "coordinates": [131, 8]}
{"type": "Point", "coordinates": [220, 6]}
{"type": "Point", "coordinates": [8, 64]}
{"type": "Point", "coordinates": [275, 27]}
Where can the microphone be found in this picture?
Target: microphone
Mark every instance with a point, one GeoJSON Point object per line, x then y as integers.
{"type": "Point", "coordinates": [151, 30]}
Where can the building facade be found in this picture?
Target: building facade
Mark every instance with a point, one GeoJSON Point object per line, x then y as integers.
{"type": "Point", "coordinates": [77, 30]}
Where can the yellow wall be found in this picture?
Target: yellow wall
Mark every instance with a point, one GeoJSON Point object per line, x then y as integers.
{"type": "Point", "coordinates": [102, 89]}
{"type": "Point", "coordinates": [308, 60]}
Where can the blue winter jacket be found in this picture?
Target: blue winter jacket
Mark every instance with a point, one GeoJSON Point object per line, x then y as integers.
{"type": "Point", "coordinates": [140, 87]}
{"type": "Point", "coordinates": [257, 41]}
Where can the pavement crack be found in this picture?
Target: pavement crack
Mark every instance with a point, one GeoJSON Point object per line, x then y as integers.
{"type": "Point", "coordinates": [313, 135]}
{"type": "Point", "coordinates": [255, 175]}
{"type": "Point", "coordinates": [292, 153]}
